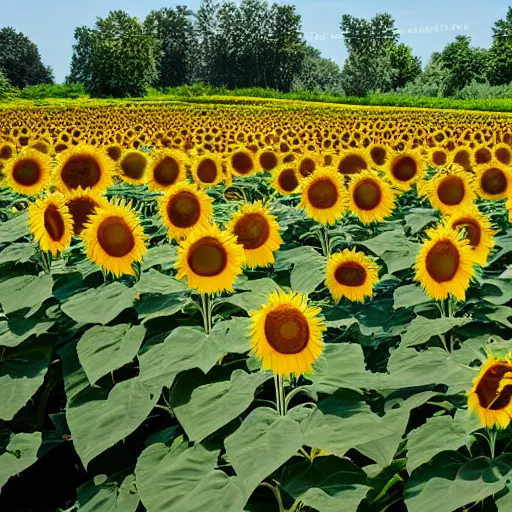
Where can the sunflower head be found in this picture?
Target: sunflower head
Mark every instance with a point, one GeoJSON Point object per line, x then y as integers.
{"type": "Point", "coordinates": [307, 164]}
{"type": "Point", "coordinates": [352, 162]}
{"type": "Point", "coordinates": [258, 232]}
{"type": "Point", "coordinates": [207, 170]}
{"type": "Point", "coordinates": [7, 150]}
{"type": "Point", "coordinates": [405, 168]}
{"type": "Point", "coordinates": [378, 154]}
{"type": "Point", "coordinates": [28, 172]}
{"type": "Point", "coordinates": [503, 153]}
{"type": "Point", "coordinates": [285, 180]}
{"type": "Point", "coordinates": [210, 259]}
{"type": "Point", "coordinates": [81, 204]}
{"type": "Point", "coordinates": [481, 155]}
{"type": "Point", "coordinates": [241, 162]}
{"type": "Point", "coordinates": [445, 264]}
{"type": "Point", "coordinates": [114, 151]}
{"type": "Point", "coordinates": [268, 159]}
{"type": "Point", "coordinates": [114, 238]}
{"type": "Point", "coordinates": [133, 166]}
{"type": "Point", "coordinates": [51, 223]}
{"type": "Point", "coordinates": [166, 168]}
{"type": "Point", "coordinates": [493, 180]}
{"type": "Point", "coordinates": [286, 334]}
{"type": "Point", "coordinates": [439, 157]}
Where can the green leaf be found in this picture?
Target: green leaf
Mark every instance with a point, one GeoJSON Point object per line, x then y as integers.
{"type": "Point", "coordinates": [504, 503]}
{"type": "Point", "coordinates": [408, 296]}
{"type": "Point", "coordinates": [99, 305]}
{"type": "Point", "coordinates": [185, 479]}
{"type": "Point", "coordinates": [98, 419]}
{"type": "Point", "coordinates": [419, 218]}
{"type": "Point", "coordinates": [20, 253]}
{"type": "Point", "coordinates": [439, 434]}
{"type": "Point", "coordinates": [421, 329]}
{"type": "Point", "coordinates": [164, 255]}
{"type": "Point", "coordinates": [156, 306]}
{"type": "Point", "coordinates": [202, 408]}
{"type": "Point", "coordinates": [22, 372]}
{"type": "Point", "coordinates": [496, 291]}
{"type": "Point", "coordinates": [258, 293]}
{"type": "Point", "coordinates": [19, 454]}
{"type": "Point", "coordinates": [308, 268]}
{"type": "Point", "coordinates": [329, 484]}
{"type": "Point", "coordinates": [24, 292]}
{"type": "Point", "coordinates": [501, 314]}
{"type": "Point", "coordinates": [14, 228]}
{"type": "Point", "coordinates": [109, 494]}
{"type": "Point", "coordinates": [16, 331]}
{"type": "Point", "coordinates": [262, 444]}
{"type": "Point", "coordinates": [155, 282]}
{"type": "Point", "coordinates": [102, 350]}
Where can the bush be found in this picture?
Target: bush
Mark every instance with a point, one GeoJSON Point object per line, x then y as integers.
{"type": "Point", "coordinates": [43, 91]}
{"type": "Point", "coordinates": [476, 90]}
{"type": "Point", "coordinates": [5, 86]}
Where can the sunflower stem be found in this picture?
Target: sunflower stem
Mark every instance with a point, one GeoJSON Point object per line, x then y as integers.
{"type": "Point", "coordinates": [206, 311]}
{"type": "Point", "coordinates": [492, 434]}
{"type": "Point", "coordinates": [280, 400]}
{"type": "Point", "coordinates": [327, 242]}
{"type": "Point", "coordinates": [277, 494]}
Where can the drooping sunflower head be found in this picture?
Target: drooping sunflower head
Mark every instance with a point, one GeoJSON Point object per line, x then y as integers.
{"type": "Point", "coordinates": [210, 259]}
{"type": "Point", "coordinates": [307, 164]}
{"type": "Point", "coordinates": [352, 275]}
{"type": "Point", "coordinates": [133, 167]}
{"type": "Point", "coordinates": [370, 198]}
{"type": "Point", "coordinates": [477, 229]}
{"type": "Point", "coordinates": [405, 168]}
{"type": "Point", "coordinates": [268, 159]}
{"type": "Point", "coordinates": [286, 334]}
{"type": "Point", "coordinates": [258, 232]}
{"type": "Point", "coordinates": [445, 264]}
{"type": "Point", "coordinates": [493, 180]}
{"type": "Point", "coordinates": [242, 162]}
{"type": "Point", "coordinates": [184, 207]}
{"type": "Point", "coordinates": [491, 395]}
{"type": "Point", "coordinates": [207, 170]}
{"type": "Point", "coordinates": [28, 172]}
{"type": "Point", "coordinates": [449, 190]}
{"type": "Point", "coordinates": [352, 162]}
{"type": "Point", "coordinates": [439, 157]}
{"type": "Point", "coordinates": [285, 180]}
{"type": "Point", "coordinates": [51, 223]}
{"type": "Point", "coordinates": [114, 238]}
{"type": "Point", "coordinates": [83, 166]}
{"type": "Point", "coordinates": [323, 196]}
{"type": "Point", "coordinates": [82, 204]}
{"type": "Point", "coordinates": [166, 168]}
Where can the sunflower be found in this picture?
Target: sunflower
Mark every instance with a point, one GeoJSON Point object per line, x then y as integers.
{"type": "Point", "coordinates": [166, 168]}
{"type": "Point", "coordinates": [210, 259]}
{"type": "Point", "coordinates": [183, 208]}
{"type": "Point", "coordinates": [7, 150]}
{"type": "Point", "coordinates": [241, 162]}
{"type": "Point", "coordinates": [51, 223]}
{"type": "Point", "coordinates": [352, 275]}
{"type": "Point", "coordinates": [207, 170]}
{"type": "Point", "coordinates": [83, 166]}
{"type": "Point", "coordinates": [478, 231]}
{"type": "Point", "coordinates": [481, 155]}
{"type": "Point", "coordinates": [81, 204]}
{"type": "Point", "coordinates": [439, 157]}
{"type": "Point", "coordinates": [462, 157]}
{"type": "Point", "coordinates": [405, 168]}
{"type": "Point", "coordinates": [503, 153]}
{"type": "Point", "coordinates": [307, 164]}
{"type": "Point", "coordinates": [258, 232]}
{"type": "Point", "coordinates": [285, 180]}
{"type": "Point", "coordinates": [114, 151]}
{"type": "Point", "coordinates": [370, 198]}
{"type": "Point", "coordinates": [491, 396]}
{"type": "Point", "coordinates": [28, 172]}
{"type": "Point", "coordinates": [133, 166]}
{"type": "Point", "coordinates": [493, 180]}
{"type": "Point", "coordinates": [114, 238]}
{"type": "Point", "coordinates": [449, 190]}
{"type": "Point", "coordinates": [286, 334]}
{"type": "Point", "coordinates": [352, 162]}
{"type": "Point", "coordinates": [445, 264]}
{"type": "Point", "coordinates": [378, 154]}
{"type": "Point", "coordinates": [268, 159]}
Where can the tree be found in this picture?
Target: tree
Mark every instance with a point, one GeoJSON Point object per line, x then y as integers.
{"type": "Point", "coordinates": [174, 29]}
{"type": "Point", "coordinates": [404, 65]}
{"type": "Point", "coordinates": [318, 73]}
{"type": "Point", "coordinates": [20, 60]}
{"type": "Point", "coordinates": [500, 53]}
{"type": "Point", "coordinates": [432, 82]}
{"type": "Point", "coordinates": [5, 86]}
{"type": "Point", "coordinates": [118, 57]}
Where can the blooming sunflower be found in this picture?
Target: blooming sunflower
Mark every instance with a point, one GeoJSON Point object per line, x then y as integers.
{"type": "Point", "coordinates": [286, 334]}
{"type": "Point", "coordinates": [352, 162]}
{"type": "Point", "coordinates": [491, 395]}
{"type": "Point", "coordinates": [183, 208]}
{"type": "Point", "coordinates": [166, 168]}
{"type": "Point", "coordinates": [114, 151]}
{"type": "Point", "coordinates": [449, 190]}
{"type": "Point", "coordinates": [503, 153]}
{"type": "Point", "coordinates": [133, 166]}
{"type": "Point", "coordinates": [481, 155]}
{"type": "Point", "coordinates": [81, 204]}
{"type": "Point", "coordinates": [114, 238]}
{"type": "Point", "coordinates": [51, 223]}
{"type": "Point", "coordinates": [378, 154]}
{"type": "Point", "coordinates": [210, 259]}
{"type": "Point", "coordinates": [83, 166]}
{"type": "Point", "coordinates": [406, 168]}
{"type": "Point", "coordinates": [258, 232]}
{"type": "Point", "coordinates": [268, 159]}
{"type": "Point", "coordinates": [207, 170]}
{"type": "Point", "coordinates": [241, 162]}
{"type": "Point", "coordinates": [307, 164]}
{"type": "Point", "coordinates": [323, 196]}
{"type": "Point", "coordinates": [478, 231]}
{"type": "Point", "coordinates": [352, 275]}
{"type": "Point", "coordinates": [439, 157]}
{"type": "Point", "coordinates": [7, 150]}
{"type": "Point", "coordinates": [445, 264]}
{"type": "Point", "coordinates": [285, 180]}
{"type": "Point", "coordinates": [370, 198]}
{"type": "Point", "coordinates": [494, 180]}
{"type": "Point", "coordinates": [462, 157]}
{"type": "Point", "coordinates": [28, 172]}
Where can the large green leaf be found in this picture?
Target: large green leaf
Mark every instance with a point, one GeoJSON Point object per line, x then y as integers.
{"type": "Point", "coordinates": [16, 330]}
{"type": "Point", "coordinates": [262, 444]}
{"type": "Point", "coordinates": [421, 329]}
{"type": "Point", "coordinates": [99, 305]}
{"type": "Point", "coordinates": [256, 296]}
{"type": "Point", "coordinates": [504, 503]}
{"type": "Point", "coordinates": [408, 296]}
{"type": "Point", "coordinates": [24, 292]}
{"type": "Point", "coordinates": [19, 253]}
{"type": "Point", "coordinates": [329, 484]}
{"type": "Point", "coordinates": [202, 408]}
{"type": "Point", "coordinates": [419, 218]}
{"type": "Point", "coordinates": [156, 306]}
{"type": "Point", "coordinates": [184, 478]}
{"type": "Point", "coordinates": [153, 281]}
{"type": "Point", "coordinates": [14, 228]}
{"type": "Point", "coordinates": [98, 419]}
{"type": "Point", "coordinates": [19, 454]}
{"type": "Point", "coordinates": [22, 372]}
{"type": "Point", "coordinates": [102, 350]}
{"type": "Point", "coordinates": [109, 494]}
{"type": "Point", "coordinates": [497, 291]}
{"type": "Point", "coordinates": [164, 255]}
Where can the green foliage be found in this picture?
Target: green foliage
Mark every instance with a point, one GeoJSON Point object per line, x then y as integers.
{"type": "Point", "coordinates": [42, 91]}
{"type": "Point", "coordinates": [5, 85]}
{"type": "Point", "coordinates": [500, 53]}
{"type": "Point", "coordinates": [405, 66]}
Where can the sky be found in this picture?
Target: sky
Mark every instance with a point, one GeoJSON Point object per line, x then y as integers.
{"type": "Point", "coordinates": [427, 26]}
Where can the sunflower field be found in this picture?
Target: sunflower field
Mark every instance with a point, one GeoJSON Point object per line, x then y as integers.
{"type": "Point", "coordinates": [255, 306]}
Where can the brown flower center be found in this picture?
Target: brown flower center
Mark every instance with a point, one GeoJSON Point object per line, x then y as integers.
{"type": "Point", "coordinates": [487, 388]}
{"type": "Point", "coordinates": [207, 171]}
{"type": "Point", "coordinates": [268, 160]}
{"type": "Point", "coordinates": [166, 171]}
{"type": "Point", "coordinates": [473, 231]}
{"type": "Point", "coordinates": [404, 169]}
{"type": "Point", "coordinates": [54, 223]}
{"type": "Point", "coordinates": [378, 155]}
{"type": "Point", "coordinates": [287, 330]}
{"type": "Point", "coordinates": [439, 158]}
{"type": "Point", "coordinates": [133, 166]}
{"type": "Point", "coordinates": [207, 257]}
{"type": "Point", "coordinates": [6, 152]}
{"type": "Point", "coordinates": [115, 237]}
{"type": "Point", "coordinates": [26, 172]}
{"type": "Point", "coordinates": [323, 193]}
{"type": "Point", "coordinates": [494, 181]}
{"type": "Point", "coordinates": [81, 171]}
{"type": "Point", "coordinates": [288, 180]}
{"type": "Point", "coordinates": [350, 274]}
{"type": "Point", "coordinates": [114, 152]}
{"type": "Point", "coordinates": [80, 209]}
{"type": "Point", "coordinates": [462, 158]}
{"type": "Point", "coordinates": [184, 209]}
{"type": "Point", "coordinates": [307, 166]}
{"type": "Point", "coordinates": [503, 155]}
{"type": "Point", "coordinates": [483, 156]}
{"type": "Point", "coordinates": [352, 164]}
{"type": "Point", "coordinates": [451, 190]}
{"type": "Point", "coordinates": [252, 230]}
{"type": "Point", "coordinates": [367, 194]}
{"type": "Point", "coordinates": [442, 261]}
{"type": "Point", "coordinates": [242, 163]}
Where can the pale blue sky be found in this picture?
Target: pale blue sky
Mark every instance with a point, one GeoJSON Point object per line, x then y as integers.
{"type": "Point", "coordinates": [425, 25]}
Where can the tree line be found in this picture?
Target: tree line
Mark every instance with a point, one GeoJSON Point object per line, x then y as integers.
{"type": "Point", "coordinates": [255, 44]}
